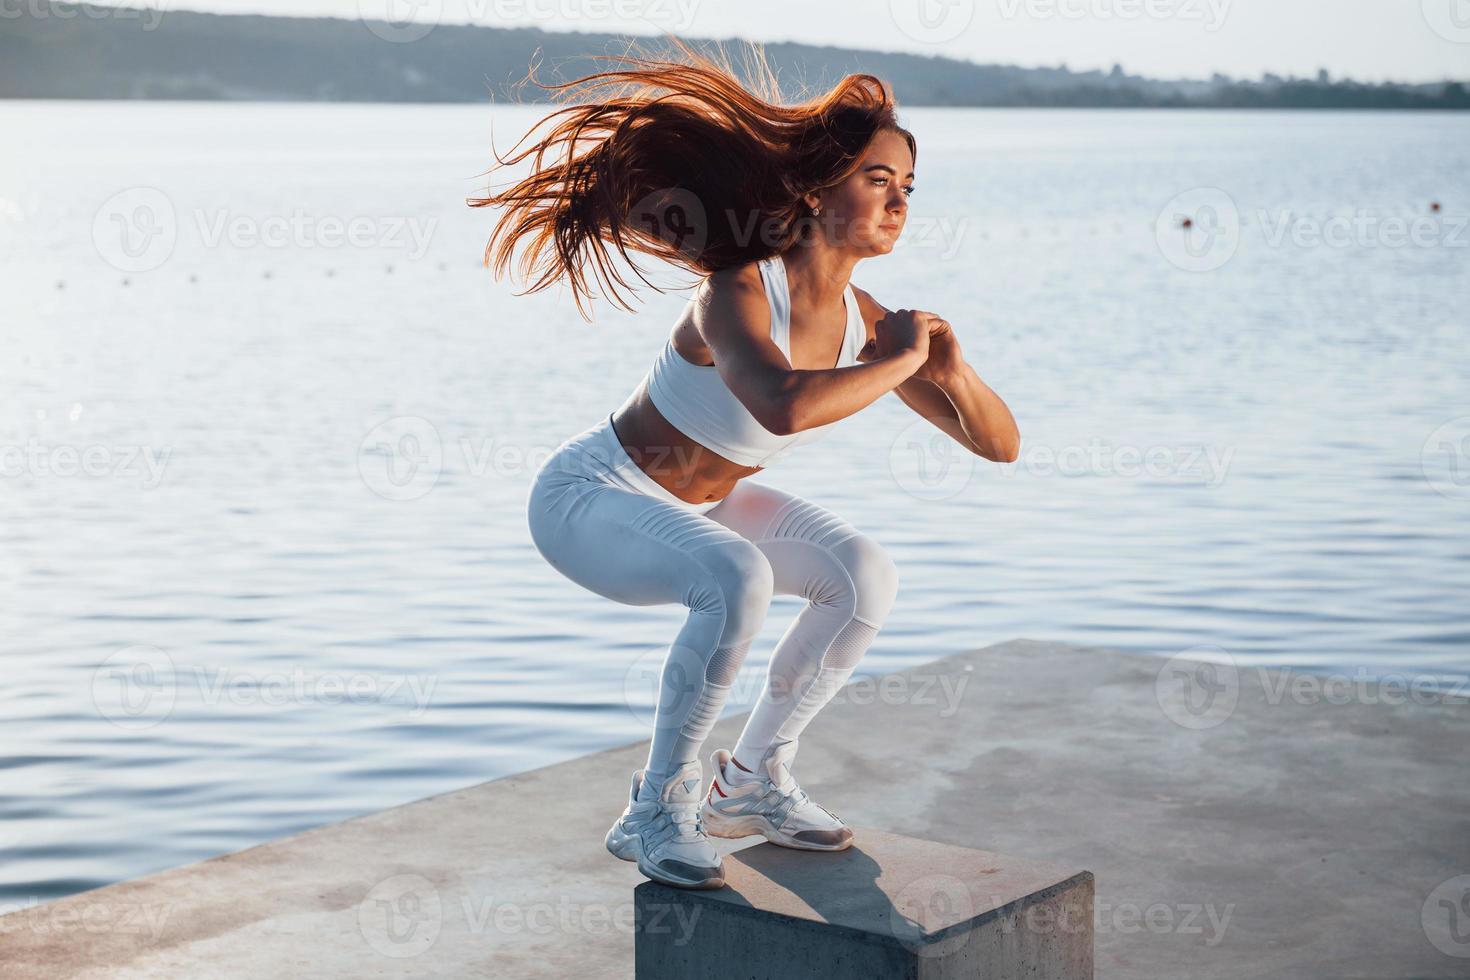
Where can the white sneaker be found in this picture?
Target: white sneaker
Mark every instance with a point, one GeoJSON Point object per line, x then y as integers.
{"type": "Point", "coordinates": [664, 837]}
{"type": "Point", "coordinates": [769, 802]}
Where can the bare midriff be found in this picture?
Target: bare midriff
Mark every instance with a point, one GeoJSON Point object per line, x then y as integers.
{"type": "Point", "coordinates": [689, 470]}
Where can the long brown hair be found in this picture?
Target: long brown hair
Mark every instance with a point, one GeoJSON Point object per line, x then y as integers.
{"type": "Point", "coordinates": [680, 160]}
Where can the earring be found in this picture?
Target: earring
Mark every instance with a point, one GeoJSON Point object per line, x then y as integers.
{"type": "Point", "coordinates": [816, 211]}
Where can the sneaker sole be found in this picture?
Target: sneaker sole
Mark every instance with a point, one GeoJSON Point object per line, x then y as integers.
{"type": "Point", "coordinates": [629, 847]}
{"type": "Point", "coordinates": [716, 824]}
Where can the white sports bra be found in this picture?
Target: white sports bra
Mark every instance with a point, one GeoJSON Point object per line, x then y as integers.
{"type": "Point", "coordinates": [697, 402]}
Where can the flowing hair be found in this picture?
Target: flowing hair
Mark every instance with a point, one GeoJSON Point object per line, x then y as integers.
{"type": "Point", "coordinates": [677, 158]}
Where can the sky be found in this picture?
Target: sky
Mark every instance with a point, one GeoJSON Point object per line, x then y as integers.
{"type": "Point", "coordinates": [1370, 40]}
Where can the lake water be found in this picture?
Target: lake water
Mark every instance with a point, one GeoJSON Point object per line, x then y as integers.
{"type": "Point", "coordinates": [268, 428]}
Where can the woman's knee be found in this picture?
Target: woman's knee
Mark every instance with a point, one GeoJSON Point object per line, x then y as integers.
{"type": "Point", "coordinates": [740, 585]}
{"type": "Point", "coordinates": [874, 576]}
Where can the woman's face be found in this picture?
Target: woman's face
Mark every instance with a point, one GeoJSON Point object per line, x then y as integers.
{"type": "Point", "coordinates": [867, 211]}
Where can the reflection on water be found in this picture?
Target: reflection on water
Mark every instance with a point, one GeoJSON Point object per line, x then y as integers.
{"type": "Point", "coordinates": [268, 428]}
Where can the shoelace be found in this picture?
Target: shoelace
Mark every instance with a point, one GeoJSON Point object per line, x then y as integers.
{"type": "Point", "coordinates": [675, 820]}
{"type": "Point", "coordinates": [773, 795]}
{"type": "Point", "coordinates": [685, 816]}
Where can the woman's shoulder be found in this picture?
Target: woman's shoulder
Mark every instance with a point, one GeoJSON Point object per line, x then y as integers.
{"type": "Point", "coordinates": [737, 278]}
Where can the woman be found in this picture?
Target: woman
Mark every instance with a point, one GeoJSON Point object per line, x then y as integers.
{"type": "Point", "coordinates": [773, 205]}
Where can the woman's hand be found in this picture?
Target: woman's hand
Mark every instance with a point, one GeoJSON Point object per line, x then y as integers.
{"type": "Point", "coordinates": [925, 332]}
{"type": "Point", "coordinates": [945, 356]}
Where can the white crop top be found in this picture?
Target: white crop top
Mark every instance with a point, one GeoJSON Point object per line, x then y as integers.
{"type": "Point", "coordinates": [697, 402]}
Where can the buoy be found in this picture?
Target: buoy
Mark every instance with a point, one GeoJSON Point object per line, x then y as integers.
{"type": "Point", "coordinates": [267, 274]}
{"type": "Point", "coordinates": [1187, 223]}
{"type": "Point", "coordinates": [127, 282]}
{"type": "Point", "coordinates": [331, 273]}
{"type": "Point", "coordinates": [61, 285]}
{"type": "Point", "coordinates": [1434, 207]}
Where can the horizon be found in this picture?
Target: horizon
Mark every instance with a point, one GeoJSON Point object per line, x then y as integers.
{"type": "Point", "coordinates": [1422, 42]}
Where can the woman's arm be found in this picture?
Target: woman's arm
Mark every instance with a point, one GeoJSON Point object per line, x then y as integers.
{"type": "Point", "coordinates": [734, 318]}
{"type": "Point", "coordinates": [950, 394]}
{"type": "Point", "coordinates": [982, 418]}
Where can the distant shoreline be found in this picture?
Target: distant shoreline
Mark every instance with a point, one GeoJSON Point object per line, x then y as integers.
{"type": "Point", "coordinates": [55, 52]}
{"type": "Point", "coordinates": [13, 99]}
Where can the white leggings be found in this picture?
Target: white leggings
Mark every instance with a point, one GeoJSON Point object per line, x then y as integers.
{"type": "Point", "coordinates": [606, 525]}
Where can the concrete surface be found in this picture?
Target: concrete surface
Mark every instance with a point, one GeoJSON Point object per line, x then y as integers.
{"type": "Point", "coordinates": [1295, 838]}
{"type": "Point", "coordinates": [888, 908]}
